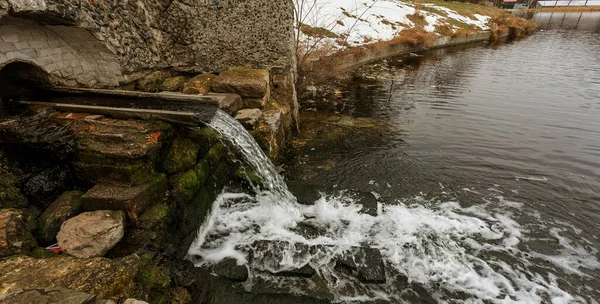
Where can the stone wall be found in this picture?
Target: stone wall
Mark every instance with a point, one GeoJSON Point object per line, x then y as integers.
{"type": "Point", "coordinates": [183, 35]}
{"type": "Point", "coordinates": [72, 56]}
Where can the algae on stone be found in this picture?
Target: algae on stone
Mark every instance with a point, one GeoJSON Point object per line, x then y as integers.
{"type": "Point", "coordinates": [10, 194]}
{"type": "Point", "coordinates": [181, 155]}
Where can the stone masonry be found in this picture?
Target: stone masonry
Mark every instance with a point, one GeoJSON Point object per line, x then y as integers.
{"type": "Point", "coordinates": [104, 43]}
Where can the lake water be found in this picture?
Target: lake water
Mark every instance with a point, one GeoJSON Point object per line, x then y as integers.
{"type": "Point", "coordinates": [511, 133]}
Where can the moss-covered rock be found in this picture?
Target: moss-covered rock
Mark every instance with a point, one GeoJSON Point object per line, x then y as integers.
{"type": "Point", "coordinates": [245, 174]}
{"type": "Point", "coordinates": [205, 137]}
{"type": "Point", "coordinates": [185, 185]}
{"type": "Point", "coordinates": [153, 281]}
{"type": "Point", "coordinates": [174, 84]}
{"type": "Point", "coordinates": [180, 295]}
{"type": "Point", "coordinates": [10, 194]}
{"type": "Point", "coordinates": [155, 217]}
{"type": "Point", "coordinates": [153, 81]}
{"type": "Point", "coordinates": [200, 84]}
{"type": "Point", "coordinates": [181, 155]}
{"type": "Point", "coordinates": [42, 253]}
{"type": "Point", "coordinates": [216, 154]}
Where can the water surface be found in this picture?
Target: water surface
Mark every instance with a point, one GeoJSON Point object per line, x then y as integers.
{"type": "Point", "coordinates": [512, 129]}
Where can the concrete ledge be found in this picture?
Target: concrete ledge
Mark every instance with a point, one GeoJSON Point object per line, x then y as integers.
{"type": "Point", "coordinates": [391, 50]}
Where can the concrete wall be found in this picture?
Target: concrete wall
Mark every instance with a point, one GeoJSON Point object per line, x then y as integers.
{"type": "Point", "coordinates": [72, 56]}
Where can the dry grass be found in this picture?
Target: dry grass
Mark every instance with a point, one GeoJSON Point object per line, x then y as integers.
{"type": "Point", "coordinates": [417, 19]}
{"type": "Point", "coordinates": [512, 25]}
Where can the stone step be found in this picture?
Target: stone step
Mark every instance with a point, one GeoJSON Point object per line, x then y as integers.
{"type": "Point", "coordinates": [131, 199]}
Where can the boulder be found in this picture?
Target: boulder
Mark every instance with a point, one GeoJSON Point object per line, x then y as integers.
{"type": "Point", "coordinates": [229, 103]}
{"type": "Point", "coordinates": [131, 199]}
{"type": "Point", "coordinates": [228, 268]}
{"type": "Point", "coordinates": [272, 256]}
{"type": "Point", "coordinates": [153, 81]}
{"type": "Point", "coordinates": [62, 209]}
{"type": "Point", "coordinates": [106, 278]}
{"type": "Point", "coordinates": [134, 301]}
{"type": "Point", "coordinates": [201, 84]}
{"type": "Point", "coordinates": [249, 117]}
{"type": "Point", "coordinates": [174, 84]}
{"type": "Point", "coordinates": [91, 234]}
{"type": "Point", "coordinates": [246, 83]}
{"type": "Point", "coordinates": [51, 295]}
{"type": "Point", "coordinates": [15, 235]}
{"type": "Point", "coordinates": [10, 194]}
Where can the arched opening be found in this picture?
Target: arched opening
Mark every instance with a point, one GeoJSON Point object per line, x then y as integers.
{"type": "Point", "coordinates": [21, 80]}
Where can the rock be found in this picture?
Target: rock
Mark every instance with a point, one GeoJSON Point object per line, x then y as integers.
{"type": "Point", "coordinates": [228, 268]}
{"type": "Point", "coordinates": [106, 278]}
{"type": "Point", "coordinates": [15, 235]}
{"type": "Point", "coordinates": [255, 102]}
{"type": "Point", "coordinates": [200, 84]}
{"type": "Point", "coordinates": [185, 185]}
{"type": "Point", "coordinates": [63, 208]}
{"type": "Point", "coordinates": [174, 84]}
{"type": "Point", "coordinates": [52, 295]}
{"type": "Point", "coordinates": [246, 83]}
{"type": "Point", "coordinates": [181, 295]}
{"type": "Point", "coordinates": [366, 262]}
{"type": "Point", "coordinates": [154, 217]}
{"type": "Point", "coordinates": [47, 183]}
{"type": "Point", "coordinates": [181, 155]}
{"type": "Point", "coordinates": [10, 194]}
{"type": "Point", "coordinates": [229, 103]}
{"type": "Point", "coordinates": [91, 234]}
{"type": "Point", "coordinates": [249, 117]}
{"type": "Point", "coordinates": [131, 199]}
{"type": "Point", "coordinates": [134, 301]}
{"type": "Point", "coordinates": [153, 81]}
{"type": "Point", "coordinates": [270, 255]}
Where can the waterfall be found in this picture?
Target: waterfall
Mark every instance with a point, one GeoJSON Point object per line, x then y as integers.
{"type": "Point", "coordinates": [435, 244]}
{"type": "Point", "coordinates": [231, 130]}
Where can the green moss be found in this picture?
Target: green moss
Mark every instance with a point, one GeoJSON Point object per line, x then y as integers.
{"type": "Point", "coordinates": [155, 216]}
{"type": "Point", "coordinates": [202, 171]}
{"type": "Point", "coordinates": [151, 277]}
{"type": "Point", "coordinates": [42, 253]}
{"type": "Point", "coordinates": [261, 140]}
{"type": "Point", "coordinates": [207, 136]}
{"type": "Point", "coordinates": [10, 194]}
{"type": "Point", "coordinates": [215, 154]}
{"type": "Point", "coordinates": [185, 185]}
{"type": "Point", "coordinates": [245, 174]}
{"type": "Point", "coordinates": [181, 155]}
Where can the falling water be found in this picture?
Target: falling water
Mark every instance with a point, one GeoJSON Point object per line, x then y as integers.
{"type": "Point", "coordinates": [451, 251]}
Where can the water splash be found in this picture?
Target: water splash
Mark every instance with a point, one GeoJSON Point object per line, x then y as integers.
{"type": "Point", "coordinates": [448, 249]}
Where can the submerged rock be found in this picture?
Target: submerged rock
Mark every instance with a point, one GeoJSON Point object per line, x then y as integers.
{"type": "Point", "coordinates": [228, 268]}
{"type": "Point", "coordinates": [15, 235]}
{"type": "Point", "coordinates": [106, 278]}
{"type": "Point", "coordinates": [274, 257]}
{"type": "Point", "coordinates": [51, 295]}
{"type": "Point", "coordinates": [63, 208]}
{"type": "Point", "coordinates": [91, 234]}
{"type": "Point", "coordinates": [366, 263]}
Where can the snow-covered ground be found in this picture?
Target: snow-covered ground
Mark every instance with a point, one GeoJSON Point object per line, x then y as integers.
{"type": "Point", "coordinates": [365, 21]}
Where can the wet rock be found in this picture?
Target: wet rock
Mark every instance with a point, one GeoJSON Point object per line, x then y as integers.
{"type": "Point", "coordinates": [63, 208]}
{"type": "Point", "coordinates": [248, 117]}
{"type": "Point", "coordinates": [155, 217]}
{"type": "Point", "coordinates": [153, 81]}
{"type": "Point", "coordinates": [181, 295]}
{"type": "Point", "coordinates": [255, 102]}
{"type": "Point", "coordinates": [228, 268]}
{"type": "Point", "coordinates": [15, 235]}
{"type": "Point", "coordinates": [10, 194]}
{"type": "Point", "coordinates": [366, 263]}
{"type": "Point", "coordinates": [246, 83]}
{"type": "Point", "coordinates": [272, 256]}
{"type": "Point", "coordinates": [52, 295]}
{"type": "Point", "coordinates": [113, 150]}
{"type": "Point", "coordinates": [133, 199]}
{"type": "Point", "coordinates": [200, 84]}
{"type": "Point", "coordinates": [185, 185]}
{"type": "Point", "coordinates": [181, 155]}
{"type": "Point", "coordinates": [47, 183]}
{"type": "Point", "coordinates": [230, 103]}
{"type": "Point", "coordinates": [106, 278]}
{"type": "Point", "coordinates": [91, 234]}
{"type": "Point", "coordinates": [174, 84]}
